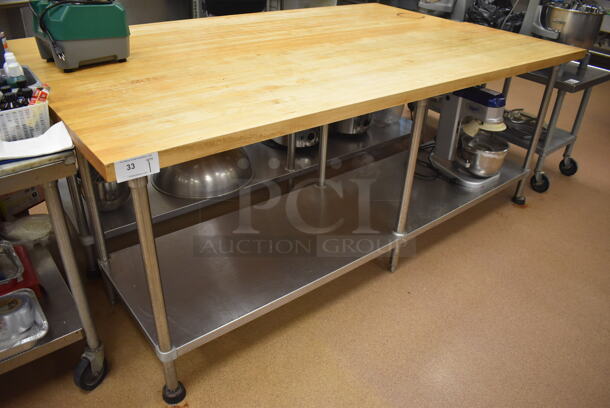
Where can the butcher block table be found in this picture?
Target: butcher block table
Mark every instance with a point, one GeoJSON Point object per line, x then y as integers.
{"type": "Point", "coordinates": [192, 88]}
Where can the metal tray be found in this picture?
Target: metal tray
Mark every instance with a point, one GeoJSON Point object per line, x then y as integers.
{"type": "Point", "coordinates": [28, 339]}
{"type": "Point", "coordinates": [11, 267]}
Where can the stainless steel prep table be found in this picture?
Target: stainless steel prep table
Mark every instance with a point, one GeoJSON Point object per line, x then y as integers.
{"type": "Point", "coordinates": [273, 74]}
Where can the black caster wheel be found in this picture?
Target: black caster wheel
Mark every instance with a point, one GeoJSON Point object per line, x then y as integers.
{"type": "Point", "coordinates": [67, 71]}
{"type": "Point", "coordinates": [122, 60]}
{"type": "Point", "coordinates": [519, 200]}
{"type": "Point", "coordinates": [83, 377]}
{"type": "Point", "coordinates": [568, 169]}
{"type": "Point", "coordinates": [176, 396]}
{"type": "Point", "coordinates": [50, 60]}
{"type": "Point", "coordinates": [542, 185]}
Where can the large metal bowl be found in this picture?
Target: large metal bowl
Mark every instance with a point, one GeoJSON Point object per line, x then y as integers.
{"type": "Point", "coordinates": [208, 177]}
{"type": "Point", "coordinates": [575, 27]}
{"type": "Point", "coordinates": [484, 153]}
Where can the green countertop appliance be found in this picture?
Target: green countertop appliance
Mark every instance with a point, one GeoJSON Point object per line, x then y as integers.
{"type": "Point", "coordinates": [73, 33]}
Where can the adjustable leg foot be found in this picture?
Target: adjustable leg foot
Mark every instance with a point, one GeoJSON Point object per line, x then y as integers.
{"type": "Point", "coordinates": [176, 396]}
{"type": "Point", "coordinates": [519, 200]}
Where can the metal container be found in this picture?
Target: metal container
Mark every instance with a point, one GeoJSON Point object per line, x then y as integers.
{"type": "Point", "coordinates": [110, 196]}
{"type": "Point", "coordinates": [22, 322]}
{"type": "Point", "coordinates": [207, 177]}
{"type": "Point", "coordinates": [305, 138]}
{"type": "Point", "coordinates": [484, 153]}
{"type": "Point", "coordinates": [575, 27]}
{"type": "Point", "coordinates": [353, 126]}
{"type": "Point", "coordinates": [16, 315]}
{"type": "Point", "coordinates": [388, 116]}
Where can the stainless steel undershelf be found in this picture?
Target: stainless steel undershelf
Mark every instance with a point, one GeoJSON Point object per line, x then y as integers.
{"type": "Point", "coordinates": [268, 163]}
{"type": "Point", "coordinates": [59, 308]}
{"type": "Point", "coordinates": [561, 138]}
{"type": "Point", "coordinates": [570, 80]}
{"type": "Point", "coordinates": [212, 292]}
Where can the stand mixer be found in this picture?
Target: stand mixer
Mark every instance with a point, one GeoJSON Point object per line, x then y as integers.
{"type": "Point", "coordinates": [470, 116]}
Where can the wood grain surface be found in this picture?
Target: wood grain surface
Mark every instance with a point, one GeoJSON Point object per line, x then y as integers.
{"type": "Point", "coordinates": [192, 88]}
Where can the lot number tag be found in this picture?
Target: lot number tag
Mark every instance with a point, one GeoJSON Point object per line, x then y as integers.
{"type": "Point", "coordinates": [137, 167]}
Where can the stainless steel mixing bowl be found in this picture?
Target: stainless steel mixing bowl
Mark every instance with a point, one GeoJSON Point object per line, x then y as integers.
{"type": "Point", "coordinates": [207, 177]}
{"type": "Point", "coordinates": [575, 27]}
{"type": "Point", "coordinates": [357, 125]}
{"type": "Point", "coordinates": [109, 195]}
{"type": "Point", "coordinates": [485, 153]}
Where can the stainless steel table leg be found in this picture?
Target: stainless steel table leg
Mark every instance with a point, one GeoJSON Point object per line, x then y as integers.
{"type": "Point", "coordinates": [577, 122]}
{"type": "Point", "coordinates": [401, 226]}
{"type": "Point", "coordinates": [519, 198]}
{"type": "Point", "coordinates": [549, 134]}
{"type": "Point", "coordinates": [94, 215]}
{"type": "Point", "coordinates": [81, 223]}
{"type": "Point", "coordinates": [323, 154]}
{"type": "Point", "coordinates": [291, 152]}
{"type": "Point", "coordinates": [85, 234]}
{"type": "Point", "coordinates": [173, 391]}
{"type": "Point", "coordinates": [94, 354]}
{"type": "Point", "coordinates": [506, 86]}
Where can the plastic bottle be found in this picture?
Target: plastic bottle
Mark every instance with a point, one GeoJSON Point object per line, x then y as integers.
{"type": "Point", "coordinates": [8, 57]}
{"type": "Point", "coordinates": [14, 73]}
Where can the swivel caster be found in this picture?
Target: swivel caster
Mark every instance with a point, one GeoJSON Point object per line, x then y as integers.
{"type": "Point", "coordinates": [542, 185]}
{"type": "Point", "coordinates": [84, 378]}
{"type": "Point", "coordinates": [176, 396]}
{"type": "Point", "coordinates": [568, 169]}
{"type": "Point", "coordinates": [50, 60]}
{"type": "Point", "coordinates": [122, 60]}
{"type": "Point", "coordinates": [68, 70]}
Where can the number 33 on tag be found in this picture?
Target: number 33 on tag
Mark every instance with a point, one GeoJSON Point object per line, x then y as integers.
{"type": "Point", "coordinates": [137, 167]}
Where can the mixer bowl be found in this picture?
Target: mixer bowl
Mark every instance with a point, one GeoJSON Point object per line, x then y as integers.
{"type": "Point", "coordinates": [207, 177]}
{"type": "Point", "coordinates": [578, 28]}
{"type": "Point", "coordinates": [484, 152]}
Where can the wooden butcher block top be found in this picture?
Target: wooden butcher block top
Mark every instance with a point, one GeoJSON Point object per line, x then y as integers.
{"type": "Point", "coordinates": [192, 88]}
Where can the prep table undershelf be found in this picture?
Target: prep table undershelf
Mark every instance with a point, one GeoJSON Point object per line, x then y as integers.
{"type": "Point", "coordinates": [59, 308]}
{"type": "Point", "coordinates": [214, 284]}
